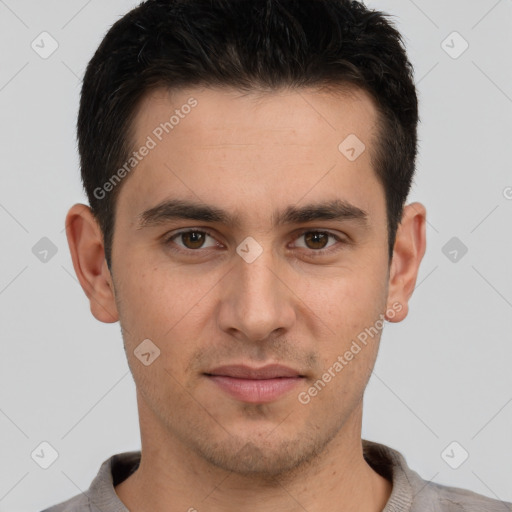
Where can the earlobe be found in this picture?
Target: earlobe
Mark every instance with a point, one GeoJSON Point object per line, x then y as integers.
{"type": "Point", "coordinates": [409, 249]}
{"type": "Point", "coordinates": [87, 252]}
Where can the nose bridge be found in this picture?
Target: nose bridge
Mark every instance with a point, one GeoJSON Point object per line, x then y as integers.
{"type": "Point", "coordinates": [256, 303]}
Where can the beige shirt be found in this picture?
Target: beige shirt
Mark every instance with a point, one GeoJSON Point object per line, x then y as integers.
{"type": "Point", "coordinates": [410, 492]}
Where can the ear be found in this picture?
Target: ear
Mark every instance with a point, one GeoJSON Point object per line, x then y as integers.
{"type": "Point", "coordinates": [408, 252]}
{"type": "Point", "coordinates": [85, 242]}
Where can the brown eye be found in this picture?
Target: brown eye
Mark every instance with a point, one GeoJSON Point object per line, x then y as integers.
{"type": "Point", "coordinates": [192, 239]}
{"type": "Point", "coordinates": [316, 239]}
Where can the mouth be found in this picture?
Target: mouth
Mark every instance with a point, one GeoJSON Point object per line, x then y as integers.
{"type": "Point", "coordinates": [255, 385]}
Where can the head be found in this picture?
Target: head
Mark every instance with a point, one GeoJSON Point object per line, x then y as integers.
{"type": "Point", "coordinates": [291, 127]}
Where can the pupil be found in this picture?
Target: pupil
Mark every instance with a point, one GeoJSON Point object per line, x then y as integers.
{"type": "Point", "coordinates": [315, 237]}
{"type": "Point", "coordinates": [196, 238]}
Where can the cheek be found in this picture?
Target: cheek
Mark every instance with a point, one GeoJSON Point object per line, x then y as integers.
{"type": "Point", "coordinates": [349, 301]}
{"type": "Point", "coordinates": [167, 307]}
{"type": "Point", "coordinates": [348, 353]}
{"type": "Point", "coordinates": [351, 307]}
{"type": "Point", "coordinates": [154, 300]}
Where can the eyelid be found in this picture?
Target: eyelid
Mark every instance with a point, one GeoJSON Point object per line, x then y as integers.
{"type": "Point", "coordinates": [338, 236]}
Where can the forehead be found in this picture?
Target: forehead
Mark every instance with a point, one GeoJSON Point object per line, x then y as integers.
{"type": "Point", "coordinates": [306, 114]}
{"type": "Point", "coordinates": [248, 144]}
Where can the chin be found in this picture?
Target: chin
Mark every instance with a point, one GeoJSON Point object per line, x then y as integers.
{"type": "Point", "coordinates": [262, 458]}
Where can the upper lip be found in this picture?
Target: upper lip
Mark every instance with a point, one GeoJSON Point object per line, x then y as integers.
{"type": "Point", "coordinates": [270, 371]}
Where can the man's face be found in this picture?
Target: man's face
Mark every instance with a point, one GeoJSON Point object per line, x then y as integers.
{"type": "Point", "coordinates": [257, 291]}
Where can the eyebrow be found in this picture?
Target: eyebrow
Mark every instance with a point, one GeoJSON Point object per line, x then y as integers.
{"type": "Point", "coordinates": [185, 209]}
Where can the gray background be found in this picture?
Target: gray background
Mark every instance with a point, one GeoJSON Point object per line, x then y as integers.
{"type": "Point", "coordinates": [442, 375]}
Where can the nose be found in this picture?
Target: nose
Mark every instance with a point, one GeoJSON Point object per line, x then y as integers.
{"type": "Point", "coordinates": [256, 301]}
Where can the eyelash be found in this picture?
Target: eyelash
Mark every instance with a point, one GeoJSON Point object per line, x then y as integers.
{"type": "Point", "coordinates": [313, 252]}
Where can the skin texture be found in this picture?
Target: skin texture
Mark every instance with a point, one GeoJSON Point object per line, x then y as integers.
{"type": "Point", "coordinates": [251, 154]}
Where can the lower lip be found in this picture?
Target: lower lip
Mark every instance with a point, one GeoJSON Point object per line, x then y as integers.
{"type": "Point", "coordinates": [255, 390]}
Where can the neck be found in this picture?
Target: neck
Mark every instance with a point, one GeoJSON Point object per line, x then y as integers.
{"type": "Point", "coordinates": [173, 478]}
